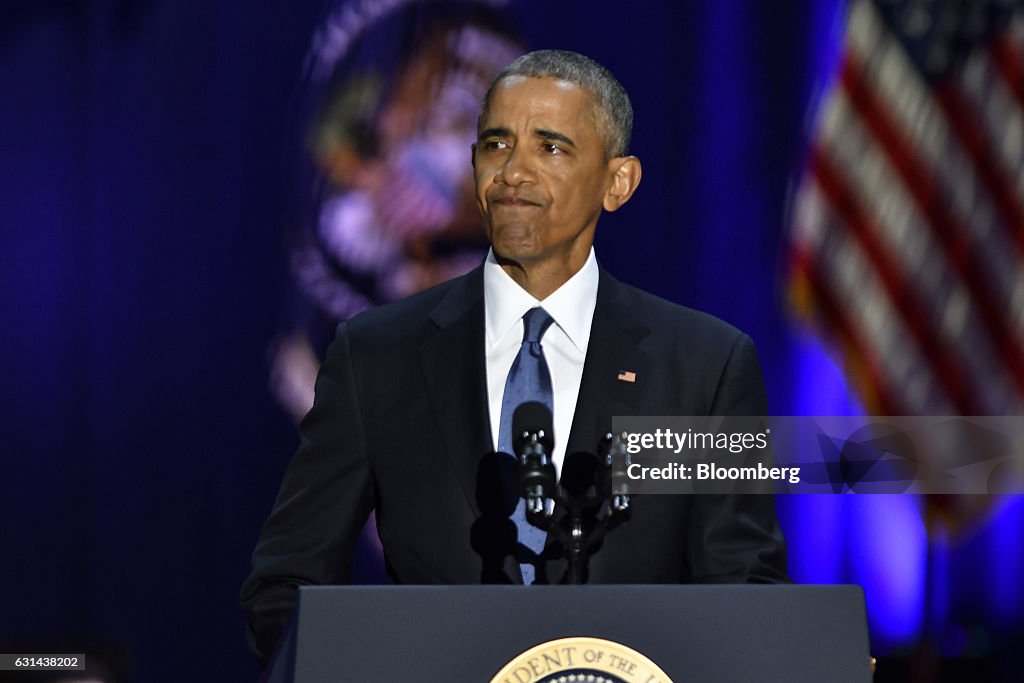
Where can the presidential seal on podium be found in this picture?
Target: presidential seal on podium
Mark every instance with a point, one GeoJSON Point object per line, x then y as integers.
{"type": "Point", "coordinates": [581, 660]}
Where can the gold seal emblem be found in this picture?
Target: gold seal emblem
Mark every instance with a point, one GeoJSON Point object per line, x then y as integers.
{"type": "Point", "coordinates": [581, 660]}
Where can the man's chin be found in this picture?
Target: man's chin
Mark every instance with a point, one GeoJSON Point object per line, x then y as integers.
{"type": "Point", "coordinates": [514, 242]}
{"type": "Point", "coordinates": [511, 256]}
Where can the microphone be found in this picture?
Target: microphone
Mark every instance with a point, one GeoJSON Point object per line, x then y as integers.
{"type": "Point", "coordinates": [533, 440]}
{"type": "Point", "coordinates": [615, 461]}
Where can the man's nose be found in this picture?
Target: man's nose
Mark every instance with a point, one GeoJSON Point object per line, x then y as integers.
{"type": "Point", "coordinates": [516, 169]}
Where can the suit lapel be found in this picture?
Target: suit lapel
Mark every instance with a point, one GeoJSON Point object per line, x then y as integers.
{"type": "Point", "coordinates": [613, 350]}
{"type": "Point", "coordinates": [454, 367]}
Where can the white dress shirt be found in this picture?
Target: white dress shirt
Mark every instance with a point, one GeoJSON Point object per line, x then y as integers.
{"type": "Point", "coordinates": [571, 306]}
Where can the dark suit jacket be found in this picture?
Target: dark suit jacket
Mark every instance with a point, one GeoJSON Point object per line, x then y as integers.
{"type": "Point", "coordinates": [400, 425]}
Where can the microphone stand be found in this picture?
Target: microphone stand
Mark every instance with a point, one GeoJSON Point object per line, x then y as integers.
{"type": "Point", "coordinates": [581, 529]}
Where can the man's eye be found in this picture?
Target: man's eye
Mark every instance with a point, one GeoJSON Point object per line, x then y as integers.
{"type": "Point", "coordinates": [495, 144]}
{"type": "Point", "coordinates": [551, 148]}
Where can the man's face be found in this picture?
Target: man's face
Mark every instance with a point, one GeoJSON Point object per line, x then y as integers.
{"type": "Point", "coordinates": [541, 173]}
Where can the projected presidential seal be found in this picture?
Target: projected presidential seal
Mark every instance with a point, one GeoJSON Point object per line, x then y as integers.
{"type": "Point", "coordinates": [581, 660]}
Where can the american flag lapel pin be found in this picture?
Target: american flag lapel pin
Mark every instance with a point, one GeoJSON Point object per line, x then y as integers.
{"type": "Point", "coordinates": [626, 376]}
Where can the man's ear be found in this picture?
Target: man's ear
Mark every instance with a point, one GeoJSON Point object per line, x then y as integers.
{"type": "Point", "coordinates": [472, 155]}
{"type": "Point", "coordinates": [625, 178]}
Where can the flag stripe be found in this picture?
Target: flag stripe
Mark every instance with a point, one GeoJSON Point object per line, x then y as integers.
{"type": "Point", "coordinates": [965, 124]}
{"type": "Point", "coordinates": [1001, 124]}
{"type": "Point", "coordinates": [842, 266]}
{"type": "Point", "coordinates": [1007, 57]}
{"type": "Point", "coordinates": [836, 320]}
{"type": "Point", "coordinates": [901, 292]}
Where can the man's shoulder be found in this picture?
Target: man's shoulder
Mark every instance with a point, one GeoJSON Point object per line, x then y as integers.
{"type": "Point", "coordinates": [662, 316]}
{"type": "Point", "coordinates": [409, 318]}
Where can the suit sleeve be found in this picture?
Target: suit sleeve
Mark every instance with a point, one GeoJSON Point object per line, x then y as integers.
{"type": "Point", "coordinates": [735, 538]}
{"type": "Point", "coordinates": [324, 501]}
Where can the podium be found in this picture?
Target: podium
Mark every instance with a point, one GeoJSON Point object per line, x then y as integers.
{"type": "Point", "coordinates": [467, 634]}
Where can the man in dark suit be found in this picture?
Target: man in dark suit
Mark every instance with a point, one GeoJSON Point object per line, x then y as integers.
{"type": "Point", "coordinates": [410, 397]}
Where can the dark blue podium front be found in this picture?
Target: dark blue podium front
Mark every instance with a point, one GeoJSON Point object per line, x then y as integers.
{"type": "Point", "coordinates": [695, 634]}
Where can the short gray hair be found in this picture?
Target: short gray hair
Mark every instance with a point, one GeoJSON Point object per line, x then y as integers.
{"type": "Point", "coordinates": [613, 109]}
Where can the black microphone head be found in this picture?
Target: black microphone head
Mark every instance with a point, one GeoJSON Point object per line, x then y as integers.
{"type": "Point", "coordinates": [531, 418]}
{"type": "Point", "coordinates": [580, 474]}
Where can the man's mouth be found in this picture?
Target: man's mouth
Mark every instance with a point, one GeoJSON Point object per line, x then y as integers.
{"type": "Point", "coordinates": [513, 201]}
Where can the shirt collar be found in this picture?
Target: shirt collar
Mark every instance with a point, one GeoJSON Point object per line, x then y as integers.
{"type": "Point", "coordinates": [571, 306]}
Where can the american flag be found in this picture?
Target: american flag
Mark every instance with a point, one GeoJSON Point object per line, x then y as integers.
{"type": "Point", "coordinates": [907, 244]}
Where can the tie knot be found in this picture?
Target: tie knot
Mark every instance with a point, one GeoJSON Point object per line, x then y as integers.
{"type": "Point", "coordinates": [536, 321]}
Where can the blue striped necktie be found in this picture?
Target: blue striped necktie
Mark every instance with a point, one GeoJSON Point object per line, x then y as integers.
{"type": "Point", "coordinates": [528, 380]}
